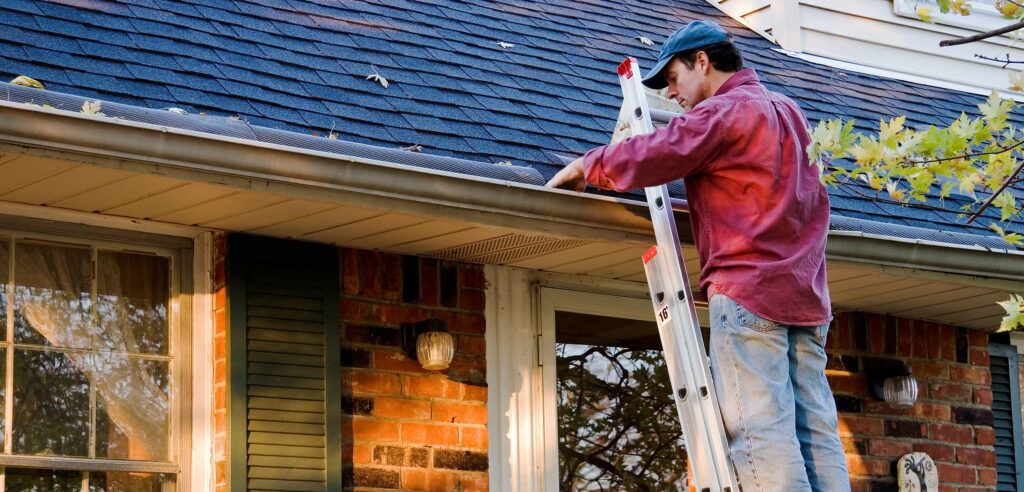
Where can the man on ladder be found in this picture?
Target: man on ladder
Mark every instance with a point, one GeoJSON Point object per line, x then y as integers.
{"type": "Point", "coordinates": [760, 217]}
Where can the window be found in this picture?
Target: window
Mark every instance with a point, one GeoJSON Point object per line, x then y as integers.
{"type": "Point", "coordinates": [610, 423]}
{"type": "Point", "coordinates": [89, 381]}
{"type": "Point", "coordinates": [984, 16]}
{"type": "Point", "coordinates": [1006, 409]}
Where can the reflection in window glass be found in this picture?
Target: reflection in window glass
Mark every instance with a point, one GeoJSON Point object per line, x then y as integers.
{"type": "Point", "coordinates": [130, 482]}
{"type": "Point", "coordinates": [136, 431]}
{"type": "Point", "coordinates": [618, 427]}
{"type": "Point", "coordinates": [51, 405]}
{"type": "Point", "coordinates": [5, 267]}
{"type": "Point", "coordinates": [29, 480]}
{"type": "Point", "coordinates": [52, 299]}
{"type": "Point", "coordinates": [131, 304]}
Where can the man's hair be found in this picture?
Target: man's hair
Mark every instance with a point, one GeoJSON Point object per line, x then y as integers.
{"type": "Point", "coordinates": [724, 57]}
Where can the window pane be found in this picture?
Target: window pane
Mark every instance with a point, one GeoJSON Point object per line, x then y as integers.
{"type": "Point", "coordinates": [131, 304]}
{"type": "Point", "coordinates": [5, 267]}
{"type": "Point", "coordinates": [130, 482]}
{"type": "Point", "coordinates": [29, 480]}
{"type": "Point", "coordinates": [51, 405]}
{"type": "Point", "coordinates": [617, 426]}
{"type": "Point", "coordinates": [51, 298]}
{"type": "Point", "coordinates": [133, 415]}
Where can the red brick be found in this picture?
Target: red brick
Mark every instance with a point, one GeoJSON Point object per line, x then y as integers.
{"type": "Point", "coordinates": [978, 357]}
{"type": "Point", "coordinates": [949, 392]}
{"type": "Point", "coordinates": [938, 452]}
{"type": "Point", "coordinates": [848, 384]}
{"type": "Point", "coordinates": [361, 453]}
{"type": "Point", "coordinates": [473, 437]}
{"type": "Point", "coordinates": [470, 323]}
{"type": "Point", "coordinates": [921, 336]}
{"type": "Point", "coordinates": [924, 370]}
{"type": "Point", "coordinates": [888, 448]}
{"type": "Point", "coordinates": [474, 345]}
{"type": "Point", "coordinates": [876, 334]}
{"type": "Point", "coordinates": [460, 413]}
{"type": "Point", "coordinates": [442, 481]}
{"type": "Point", "coordinates": [431, 387]}
{"type": "Point", "coordinates": [472, 300]}
{"type": "Point", "coordinates": [977, 338]}
{"type": "Point", "coordinates": [951, 433]}
{"type": "Point", "coordinates": [858, 465]}
{"type": "Point", "coordinates": [414, 479]}
{"type": "Point", "coordinates": [401, 408]}
{"type": "Point", "coordinates": [467, 369]}
{"type": "Point", "coordinates": [349, 271]}
{"type": "Point", "coordinates": [973, 375]}
{"type": "Point", "coordinates": [984, 436]}
{"type": "Point", "coordinates": [872, 406]}
{"type": "Point", "coordinates": [904, 337]}
{"type": "Point", "coordinates": [472, 276]}
{"type": "Point", "coordinates": [394, 314]}
{"type": "Point", "coordinates": [931, 411]}
{"type": "Point", "coordinates": [476, 482]}
{"type": "Point", "coordinates": [369, 429]}
{"type": "Point", "coordinates": [432, 434]}
{"type": "Point", "coordinates": [868, 426]}
{"type": "Point", "coordinates": [394, 360]}
{"type": "Point", "coordinates": [976, 456]}
{"type": "Point", "coordinates": [983, 396]}
{"type": "Point", "coordinates": [986, 476]}
{"type": "Point", "coordinates": [956, 474]}
{"type": "Point", "coordinates": [371, 382]}
{"type": "Point", "coordinates": [391, 276]}
{"type": "Point", "coordinates": [948, 343]}
{"type": "Point", "coordinates": [369, 274]}
{"type": "Point", "coordinates": [352, 310]}
{"type": "Point", "coordinates": [474, 393]}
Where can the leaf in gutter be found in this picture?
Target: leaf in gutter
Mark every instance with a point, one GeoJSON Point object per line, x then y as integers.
{"type": "Point", "coordinates": [505, 45]}
{"type": "Point", "coordinates": [413, 148]}
{"type": "Point", "coordinates": [378, 78]}
{"type": "Point", "coordinates": [645, 40]}
{"type": "Point", "coordinates": [176, 111]}
{"type": "Point", "coordinates": [28, 82]}
{"type": "Point", "coordinates": [92, 107]}
{"type": "Point", "coordinates": [504, 163]}
{"type": "Point", "coordinates": [332, 136]}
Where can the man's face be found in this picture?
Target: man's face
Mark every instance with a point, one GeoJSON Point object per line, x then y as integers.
{"type": "Point", "coordinates": [686, 85]}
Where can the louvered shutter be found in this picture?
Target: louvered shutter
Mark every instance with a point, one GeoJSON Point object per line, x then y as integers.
{"type": "Point", "coordinates": [1007, 411]}
{"type": "Point", "coordinates": [285, 373]}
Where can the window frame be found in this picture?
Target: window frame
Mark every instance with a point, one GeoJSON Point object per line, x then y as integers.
{"type": "Point", "coordinates": [1013, 358]}
{"type": "Point", "coordinates": [178, 252]}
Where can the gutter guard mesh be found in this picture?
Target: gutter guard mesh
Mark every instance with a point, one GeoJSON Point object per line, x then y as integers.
{"type": "Point", "coordinates": [236, 128]}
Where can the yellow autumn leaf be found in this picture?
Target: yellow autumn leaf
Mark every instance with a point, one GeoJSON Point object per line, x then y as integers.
{"type": "Point", "coordinates": [894, 191]}
{"type": "Point", "coordinates": [1006, 204]}
{"type": "Point", "coordinates": [1014, 308]}
{"type": "Point", "coordinates": [924, 13]}
{"type": "Point", "coordinates": [25, 81]}
{"type": "Point", "coordinates": [1017, 81]}
{"type": "Point", "coordinates": [92, 107]}
{"type": "Point", "coordinates": [960, 7]}
{"type": "Point", "coordinates": [1009, 9]}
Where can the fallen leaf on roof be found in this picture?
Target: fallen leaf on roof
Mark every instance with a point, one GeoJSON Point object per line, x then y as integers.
{"type": "Point", "coordinates": [92, 107]}
{"type": "Point", "coordinates": [505, 45]}
{"type": "Point", "coordinates": [645, 40]}
{"type": "Point", "coordinates": [332, 136]}
{"type": "Point", "coordinates": [378, 78]}
{"type": "Point", "coordinates": [28, 82]}
{"type": "Point", "coordinates": [413, 148]}
{"type": "Point", "coordinates": [177, 111]}
{"type": "Point", "coordinates": [504, 163]}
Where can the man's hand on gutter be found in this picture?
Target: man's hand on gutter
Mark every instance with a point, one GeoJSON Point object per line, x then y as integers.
{"type": "Point", "coordinates": [570, 178]}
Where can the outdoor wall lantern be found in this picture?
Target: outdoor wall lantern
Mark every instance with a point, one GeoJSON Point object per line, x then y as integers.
{"type": "Point", "coordinates": [892, 381]}
{"type": "Point", "coordinates": [429, 343]}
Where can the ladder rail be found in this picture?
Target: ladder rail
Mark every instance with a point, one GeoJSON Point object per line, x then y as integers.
{"type": "Point", "coordinates": [676, 316]}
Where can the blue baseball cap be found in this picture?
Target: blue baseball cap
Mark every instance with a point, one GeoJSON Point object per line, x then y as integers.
{"type": "Point", "coordinates": [696, 34]}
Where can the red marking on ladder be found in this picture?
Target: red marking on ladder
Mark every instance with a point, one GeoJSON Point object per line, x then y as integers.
{"type": "Point", "coordinates": [650, 254]}
{"type": "Point", "coordinates": [626, 67]}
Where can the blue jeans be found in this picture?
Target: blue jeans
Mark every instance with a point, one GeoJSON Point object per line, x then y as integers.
{"type": "Point", "coordinates": [776, 404]}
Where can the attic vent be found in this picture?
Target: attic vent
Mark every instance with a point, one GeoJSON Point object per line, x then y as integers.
{"type": "Point", "coordinates": [506, 249]}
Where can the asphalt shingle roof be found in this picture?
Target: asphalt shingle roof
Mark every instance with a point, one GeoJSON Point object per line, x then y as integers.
{"type": "Point", "coordinates": [301, 65]}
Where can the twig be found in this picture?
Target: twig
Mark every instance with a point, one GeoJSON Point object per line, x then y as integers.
{"type": "Point", "coordinates": [984, 35]}
{"type": "Point", "coordinates": [1001, 150]}
{"type": "Point", "coordinates": [1005, 62]}
{"type": "Point", "coordinates": [977, 213]}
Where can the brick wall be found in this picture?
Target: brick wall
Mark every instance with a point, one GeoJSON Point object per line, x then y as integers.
{"type": "Point", "coordinates": [220, 354]}
{"type": "Point", "coordinates": [952, 420]}
{"type": "Point", "coordinates": [404, 427]}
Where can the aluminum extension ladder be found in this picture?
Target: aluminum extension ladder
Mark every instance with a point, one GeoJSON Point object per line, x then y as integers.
{"type": "Point", "coordinates": [676, 315]}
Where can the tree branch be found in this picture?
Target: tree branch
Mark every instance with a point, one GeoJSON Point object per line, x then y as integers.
{"type": "Point", "coordinates": [1005, 62]}
{"type": "Point", "coordinates": [984, 35]}
{"type": "Point", "coordinates": [1006, 184]}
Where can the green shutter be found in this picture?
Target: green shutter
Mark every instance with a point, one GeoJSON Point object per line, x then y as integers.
{"type": "Point", "coordinates": [1007, 411]}
{"type": "Point", "coordinates": [283, 350]}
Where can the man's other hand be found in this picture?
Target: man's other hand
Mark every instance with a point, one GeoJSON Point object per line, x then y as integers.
{"type": "Point", "coordinates": [570, 178]}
